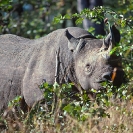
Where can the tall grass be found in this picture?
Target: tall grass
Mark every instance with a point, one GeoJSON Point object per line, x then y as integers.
{"type": "Point", "coordinates": [60, 113]}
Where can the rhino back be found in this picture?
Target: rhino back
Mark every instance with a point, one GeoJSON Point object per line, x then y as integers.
{"type": "Point", "coordinates": [24, 63]}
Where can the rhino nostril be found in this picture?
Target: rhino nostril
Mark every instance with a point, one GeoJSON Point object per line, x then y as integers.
{"type": "Point", "coordinates": [107, 76]}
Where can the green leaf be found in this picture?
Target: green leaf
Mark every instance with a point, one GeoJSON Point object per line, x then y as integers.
{"type": "Point", "coordinates": [56, 20]}
{"type": "Point", "coordinates": [113, 50]}
{"type": "Point", "coordinates": [67, 16]}
{"type": "Point", "coordinates": [91, 29]}
{"type": "Point", "coordinates": [79, 20]}
{"type": "Point", "coordinates": [69, 108]}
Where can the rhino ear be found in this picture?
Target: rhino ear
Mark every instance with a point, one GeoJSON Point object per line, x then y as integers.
{"type": "Point", "coordinates": [72, 41]}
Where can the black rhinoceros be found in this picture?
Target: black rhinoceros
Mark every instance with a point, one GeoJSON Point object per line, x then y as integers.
{"type": "Point", "coordinates": [83, 59]}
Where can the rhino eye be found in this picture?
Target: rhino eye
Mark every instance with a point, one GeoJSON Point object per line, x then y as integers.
{"type": "Point", "coordinates": [103, 49]}
{"type": "Point", "coordinates": [88, 69]}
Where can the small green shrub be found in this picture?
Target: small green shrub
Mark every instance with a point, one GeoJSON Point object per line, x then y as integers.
{"type": "Point", "coordinates": [65, 111]}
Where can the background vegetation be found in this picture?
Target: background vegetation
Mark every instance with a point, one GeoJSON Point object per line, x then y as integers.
{"type": "Point", "coordinates": [111, 111]}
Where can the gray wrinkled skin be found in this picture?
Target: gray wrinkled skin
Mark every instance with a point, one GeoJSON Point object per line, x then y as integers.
{"type": "Point", "coordinates": [25, 63]}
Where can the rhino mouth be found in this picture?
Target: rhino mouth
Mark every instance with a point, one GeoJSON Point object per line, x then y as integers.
{"type": "Point", "coordinates": [115, 77]}
{"type": "Point", "coordinates": [103, 80]}
{"type": "Point", "coordinates": [106, 77]}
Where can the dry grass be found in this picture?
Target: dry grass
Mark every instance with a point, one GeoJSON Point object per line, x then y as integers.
{"type": "Point", "coordinates": [120, 121]}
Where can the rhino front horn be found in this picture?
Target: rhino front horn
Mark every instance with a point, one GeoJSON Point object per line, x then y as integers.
{"type": "Point", "coordinates": [72, 41]}
{"type": "Point", "coordinates": [108, 43]}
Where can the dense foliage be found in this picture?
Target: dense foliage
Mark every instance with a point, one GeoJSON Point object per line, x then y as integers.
{"type": "Point", "coordinates": [31, 18]}
{"type": "Point", "coordinates": [63, 110]}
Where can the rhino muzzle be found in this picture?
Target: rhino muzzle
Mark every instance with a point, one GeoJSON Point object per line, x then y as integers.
{"type": "Point", "coordinates": [115, 77]}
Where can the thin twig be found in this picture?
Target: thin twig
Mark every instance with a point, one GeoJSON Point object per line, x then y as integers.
{"type": "Point", "coordinates": [57, 66]}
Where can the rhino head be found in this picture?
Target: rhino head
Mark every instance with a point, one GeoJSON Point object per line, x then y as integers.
{"type": "Point", "coordinates": [93, 63]}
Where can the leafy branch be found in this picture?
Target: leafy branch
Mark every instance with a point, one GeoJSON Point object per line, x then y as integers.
{"type": "Point", "coordinates": [96, 14]}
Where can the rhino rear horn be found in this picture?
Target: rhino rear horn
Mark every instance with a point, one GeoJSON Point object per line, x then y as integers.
{"type": "Point", "coordinates": [72, 41]}
{"type": "Point", "coordinates": [115, 34]}
{"type": "Point", "coordinates": [112, 38]}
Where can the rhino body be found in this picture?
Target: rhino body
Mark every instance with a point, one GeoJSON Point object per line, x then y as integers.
{"type": "Point", "coordinates": [25, 63]}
